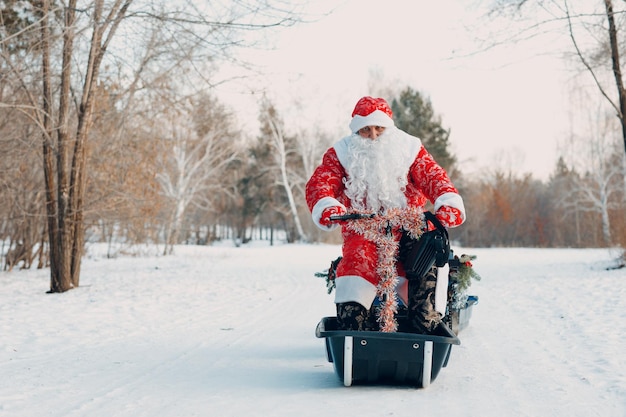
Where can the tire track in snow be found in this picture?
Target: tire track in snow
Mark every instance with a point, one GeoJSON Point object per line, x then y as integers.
{"type": "Point", "coordinates": [208, 349]}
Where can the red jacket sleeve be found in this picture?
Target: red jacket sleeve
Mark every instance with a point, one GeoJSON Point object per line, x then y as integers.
{"type": "Point", "coordinates": [429, 177]}
{"type": "Point", "coordinates": [327, 180]}
{"type": "Point", "coordinates": [433, 182]}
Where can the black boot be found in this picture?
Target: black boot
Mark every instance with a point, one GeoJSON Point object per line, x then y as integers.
{"type": "Point", "coordinates": [422, 316]}
{"type": "Point", "coordinates": [353, 316]}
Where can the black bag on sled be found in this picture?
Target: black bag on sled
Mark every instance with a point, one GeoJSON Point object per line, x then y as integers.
{"type": "Point", "coordinates": [432, 248]}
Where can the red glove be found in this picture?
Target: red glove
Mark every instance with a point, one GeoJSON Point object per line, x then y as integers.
{"type": "Point", "coordinates": [331, 211]}
{"type": "Point", "coordinates": [449, 216]}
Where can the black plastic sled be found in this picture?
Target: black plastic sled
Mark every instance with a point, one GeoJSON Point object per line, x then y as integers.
{"type": "Point", "coordinates": [393, 358]}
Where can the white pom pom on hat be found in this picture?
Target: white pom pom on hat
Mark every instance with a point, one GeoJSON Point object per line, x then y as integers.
{"type": "Point", "coordinates": [370, 111]}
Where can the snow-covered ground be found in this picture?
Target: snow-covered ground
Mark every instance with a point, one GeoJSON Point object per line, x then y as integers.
{"type": "Point", "coordinates": [221, 331]}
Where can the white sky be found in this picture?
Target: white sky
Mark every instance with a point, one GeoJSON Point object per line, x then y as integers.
{"type": "Point", "coordinates": [506, 108]}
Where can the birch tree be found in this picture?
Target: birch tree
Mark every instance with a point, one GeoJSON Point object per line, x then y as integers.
{"type": "Point", "coordinates": [284, 151]}
{"type": "Point", "coordinates": [196, 154]}
{"type": "Point", "coordinates": [598, 189]}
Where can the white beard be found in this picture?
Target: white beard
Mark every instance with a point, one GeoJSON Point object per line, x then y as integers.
{"type": "Point", "coordinates": [377, 172]}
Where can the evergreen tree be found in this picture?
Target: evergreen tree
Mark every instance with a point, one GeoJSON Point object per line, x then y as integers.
{"type": "Point", "coordinates": [414, 114]}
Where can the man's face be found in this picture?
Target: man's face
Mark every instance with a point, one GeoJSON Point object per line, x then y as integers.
{"type": "Point", "coordinates": [371, 132]}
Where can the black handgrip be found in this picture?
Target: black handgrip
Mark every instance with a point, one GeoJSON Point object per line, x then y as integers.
{"type": "Point", "coordinates": [352, 216]}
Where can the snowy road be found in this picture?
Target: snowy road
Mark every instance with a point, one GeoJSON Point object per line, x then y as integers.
{"type": "Point", "coordinates": [230, 332]}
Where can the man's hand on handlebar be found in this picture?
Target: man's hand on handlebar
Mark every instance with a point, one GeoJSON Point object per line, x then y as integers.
{"type": "Point", "coordinates": [449, 216]}
{"type": "Point", "coordinates": [326, 219]}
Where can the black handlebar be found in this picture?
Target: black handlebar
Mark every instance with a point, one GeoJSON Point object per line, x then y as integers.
{"type": "Point", "coordinates": [352, 216]}
{"type": "Point", "coordinates": [356, 216]}
{"type": "Point", "coordinates": [417, 255]}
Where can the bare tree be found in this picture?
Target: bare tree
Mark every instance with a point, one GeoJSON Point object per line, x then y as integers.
{"type": "Point", "coordinates": [65, 140]}
{"type": "Point", "coordinates": [612, 53]}
{"type": "Point", "coordinates": [592, 29]}
{"type": "Point", "coordinates": [283, 150]}
{"type": "Point", "coordinates": [598, 188]}
{"type": "Point", "coordinates": [69, 45]}
{"type": "Point", "coordinates": [123, 200]}
{"type": "Point", "coordinates": [195, 155]}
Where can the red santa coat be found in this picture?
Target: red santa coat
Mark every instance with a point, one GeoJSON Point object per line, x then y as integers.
{"type": "Point", "coordinates": [356, 278]}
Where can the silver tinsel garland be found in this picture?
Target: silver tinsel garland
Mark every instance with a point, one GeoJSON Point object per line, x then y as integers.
{"type": "Point", "coordinates": [385, 230]}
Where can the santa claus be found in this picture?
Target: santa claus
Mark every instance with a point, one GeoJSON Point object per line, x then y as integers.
{"type": "Point", "coordinates": [377, 168]}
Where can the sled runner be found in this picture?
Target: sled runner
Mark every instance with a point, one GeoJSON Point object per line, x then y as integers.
{"type": "Point", "coordinates": [405, 356]}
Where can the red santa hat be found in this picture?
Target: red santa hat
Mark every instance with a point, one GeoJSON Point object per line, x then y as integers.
{"type": "Point", "coordinates": [370, 111]}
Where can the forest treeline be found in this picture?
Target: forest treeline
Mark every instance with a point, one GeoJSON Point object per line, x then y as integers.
{"type": "Point", "coordinates": [190, 177]}
{"type": "Point", "coordinates": [137, 157]}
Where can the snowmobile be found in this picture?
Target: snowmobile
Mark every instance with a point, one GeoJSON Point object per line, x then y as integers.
{"type": "Point", "coordinates": [404, 357]}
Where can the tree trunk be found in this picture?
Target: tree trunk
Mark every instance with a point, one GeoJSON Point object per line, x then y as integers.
{"type": "Point", "coordinates": [617, 71]}
{"type": "Point", "coordinates": [48, 162]}
{"type": "Point", "coordinates": [78, 176]}
{"type": "Point", "coordinates": [65, 211]}
{"type": "Point", "coordinates": [279, 146]}
{"type": "Point", "coordinates": [58, 205]}
{"type": "Point", "coordinates": [292, 202]}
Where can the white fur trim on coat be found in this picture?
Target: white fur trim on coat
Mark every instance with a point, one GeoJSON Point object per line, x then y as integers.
{"type": "Point", "coordinates": [357, 289]}
{"type": "Point", "coordinates": [354, 288]}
